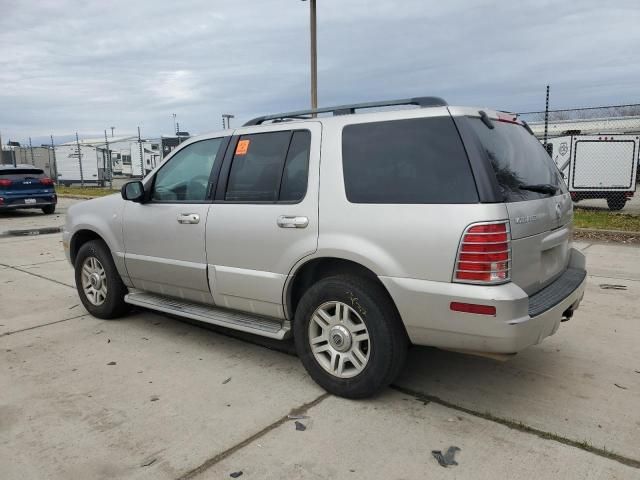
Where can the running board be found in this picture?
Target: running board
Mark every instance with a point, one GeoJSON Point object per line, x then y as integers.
{"type": "Point", "coordinates": [244, 322]}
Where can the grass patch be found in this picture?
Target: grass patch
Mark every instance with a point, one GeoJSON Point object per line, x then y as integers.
{"type": "Point", "coordinates": [85, 191]}
{"type": "Point", "coordinates": [602, 220]}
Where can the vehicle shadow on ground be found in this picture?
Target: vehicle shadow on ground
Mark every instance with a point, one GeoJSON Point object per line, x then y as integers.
{"type": "Point", "coordinates": [21, 213]}
{"type": "Point", "coordinates": [428, 371]}
{"type": "Point", "coordinates": [477, 382]}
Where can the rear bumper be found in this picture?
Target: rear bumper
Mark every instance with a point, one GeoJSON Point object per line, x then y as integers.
{"type": "Point", "coordinates": [520, 320]}
{"type": "Point", "coordinates": [11, 201]}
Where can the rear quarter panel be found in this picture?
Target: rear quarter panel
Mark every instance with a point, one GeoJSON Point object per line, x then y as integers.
{"type": "Point", "coordinates": [409, 240]}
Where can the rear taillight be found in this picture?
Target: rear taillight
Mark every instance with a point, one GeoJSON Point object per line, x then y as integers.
{"type": "Point", "coordinates": [46, 181]}
{"type": "Point", "coordinates": [484, 255]}
{"type": "Point", "coordinates": [5, 182]}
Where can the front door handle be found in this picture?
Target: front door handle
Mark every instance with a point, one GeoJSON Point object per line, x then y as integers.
{"type": "Point", "coordinates": [285, 221]}
{"type": "Point", "coordinates": [188, 218]}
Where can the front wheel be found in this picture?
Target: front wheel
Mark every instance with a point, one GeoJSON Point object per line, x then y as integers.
{"type": "Point", "coordinates": [98, 282]}
{"type": "Point", "coordinates": [349, 336]}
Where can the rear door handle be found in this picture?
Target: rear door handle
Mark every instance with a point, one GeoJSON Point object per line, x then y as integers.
{"type": "Point", "coordinates": [188, 218]}
{"type": "Point", "coordinates": [285, 221]}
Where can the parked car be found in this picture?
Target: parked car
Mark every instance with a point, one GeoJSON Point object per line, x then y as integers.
{"type": "Point", "coordinates": [358, 233]}
{"type": "Point", "coordinates": [25, 186]}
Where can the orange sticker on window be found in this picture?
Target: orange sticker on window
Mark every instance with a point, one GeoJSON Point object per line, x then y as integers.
{"type": "Point", "coordinates": [243, 147]}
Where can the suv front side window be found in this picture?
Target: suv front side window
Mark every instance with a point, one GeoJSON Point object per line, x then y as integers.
{"type": "Point", "coordinates": [185, 177]}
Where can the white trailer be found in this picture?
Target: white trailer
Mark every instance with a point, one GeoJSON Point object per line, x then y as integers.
{"type": "Point", "coordinates": [68, 158]}
{"type": "Point", "coordinates": [598, 166]}
{"type": "Point", "coordinates": [149, 160]}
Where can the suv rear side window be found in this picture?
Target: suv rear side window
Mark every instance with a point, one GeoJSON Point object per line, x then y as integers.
{"type": "Point", "coordinates": [518, 159]}
{"type": "Point", "coordinates": [270, 167]}
{"type": "Point", "coordinates": [418, 160]}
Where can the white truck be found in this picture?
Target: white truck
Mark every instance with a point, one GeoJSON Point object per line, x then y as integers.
{"type": "Point", "coordinates": [598, 166]}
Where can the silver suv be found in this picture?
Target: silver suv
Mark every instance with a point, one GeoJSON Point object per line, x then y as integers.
{"type": "Point", "coordinates": [356, 233]}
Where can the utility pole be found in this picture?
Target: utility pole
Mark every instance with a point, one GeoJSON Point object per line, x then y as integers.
{"type": "Point", "coordinates": [141, 157]}
{"type": "Point", "coordinates": [31, 150]}
{"type": "Point", "coordinates": [108, 158]}
{"type": "Point", "coordinates": [314, 54]}
{"type": "Point", "coordinates": [80, 160]}
{"type": "Point", "coordinates": [55, 164]}
{"type": "Point", "coordinates": [175, 125]}
{"type": "Point", "coordinates": [112, 129]}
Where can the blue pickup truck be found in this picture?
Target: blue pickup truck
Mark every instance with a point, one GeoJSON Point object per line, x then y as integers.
{"type": "Point", "coordinates": [25, 186]}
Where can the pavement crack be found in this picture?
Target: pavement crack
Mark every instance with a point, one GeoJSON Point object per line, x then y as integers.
{"type": "Point", "coordinates": [42, 325]}
{"type": "Point", "coordinates": [36, 275]}
{"type": "Point", "coordinates": [238, 446]}
{"type": "Point", "coordinates": [522, 427]}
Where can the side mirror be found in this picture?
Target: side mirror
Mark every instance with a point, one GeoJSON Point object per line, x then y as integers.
{"type": "Point", "coordinates": [133, 191]}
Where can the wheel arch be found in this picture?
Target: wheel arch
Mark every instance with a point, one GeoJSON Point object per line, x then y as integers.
{"type": "Point", "coordinates": [79, 238]}
{"type": "Point", "coordinates": [310, 272]}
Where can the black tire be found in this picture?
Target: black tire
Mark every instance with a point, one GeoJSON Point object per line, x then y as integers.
{"type": "Point", "coordinates": [49, 209]}
{"type": "Point", "coordinates": [113, 305]}
{"type": "Point", "coordinates": [616, 202]}
{"type": "Point", "coordinates": [388, 340]}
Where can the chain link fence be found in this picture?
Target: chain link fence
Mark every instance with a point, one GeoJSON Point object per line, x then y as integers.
{"type": "Point", "coordinates": [72, 160]}
{"type": "Point", "coordinates": [596, 150]}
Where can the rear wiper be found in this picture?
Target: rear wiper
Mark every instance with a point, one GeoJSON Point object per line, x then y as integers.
{"type": "Point", "coordinates": [540, 188]}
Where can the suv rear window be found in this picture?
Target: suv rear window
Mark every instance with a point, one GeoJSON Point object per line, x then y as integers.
{"type": "Point", "coordinates": [21, 173]}
{"type": "Point", "coordinates": [518, 159]}
{"type": "Point", "coordinates": [419, 160]}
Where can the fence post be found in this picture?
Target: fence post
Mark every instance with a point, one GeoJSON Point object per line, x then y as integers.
{"type": "Point", "coordinates": [55, 164]}
{"type": "Point", "coordinates": [80, 160]}
{"type": "Point", "coordinates": [109, 171]}
{"type": "Point", "coordinates": [31, 150]}
{"type": "Point", "coordinates": [546, 117]}
{"type": "Point", "coordinates": [141, 157]}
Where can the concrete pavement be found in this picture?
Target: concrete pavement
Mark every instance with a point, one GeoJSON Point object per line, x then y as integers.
{"type": "Point", "coordinates": [149, 396]}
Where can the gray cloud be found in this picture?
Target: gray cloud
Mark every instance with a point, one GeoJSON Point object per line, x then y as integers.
{"type": "Point", "coordinates": [71, 65]}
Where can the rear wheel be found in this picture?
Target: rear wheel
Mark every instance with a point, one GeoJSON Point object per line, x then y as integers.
{"type": "Point", "coordinates": [49, 209]}
{"type": "Point", "coordinates": [616, 202]}
{"type": "Point", "coordinates": [98, 283]}
{"type": "Point", "coordinates": [349, 336]}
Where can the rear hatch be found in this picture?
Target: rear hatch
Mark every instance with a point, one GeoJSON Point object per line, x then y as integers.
{"type": "Point", "coordinates": [538, 204]}
{"type": "Point", "coordinates": [24, 182]}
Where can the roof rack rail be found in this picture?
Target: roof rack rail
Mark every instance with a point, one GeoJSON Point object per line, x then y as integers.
{"type": "Point", "coordinates": [350, 109]}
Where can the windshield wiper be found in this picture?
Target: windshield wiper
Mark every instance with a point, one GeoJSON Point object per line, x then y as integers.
{"type": "Point", "coordinates": [540, 188]}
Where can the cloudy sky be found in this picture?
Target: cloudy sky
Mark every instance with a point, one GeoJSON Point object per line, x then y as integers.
{"type": "Point", "coordinates": [87, 65]}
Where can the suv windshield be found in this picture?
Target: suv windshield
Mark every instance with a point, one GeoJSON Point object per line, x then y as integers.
{"type": "Point", "coordinates": [523, 168]}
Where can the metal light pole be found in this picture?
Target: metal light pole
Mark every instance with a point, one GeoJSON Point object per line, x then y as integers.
{"type": "Point", "coordinates": [314, 53]}
{"type": "Point", "coordinates": [175, 126]}
{"type": "Point", "coordinates": [112, 129]}
{"type": "Point", "coordinates": [226, 120]}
